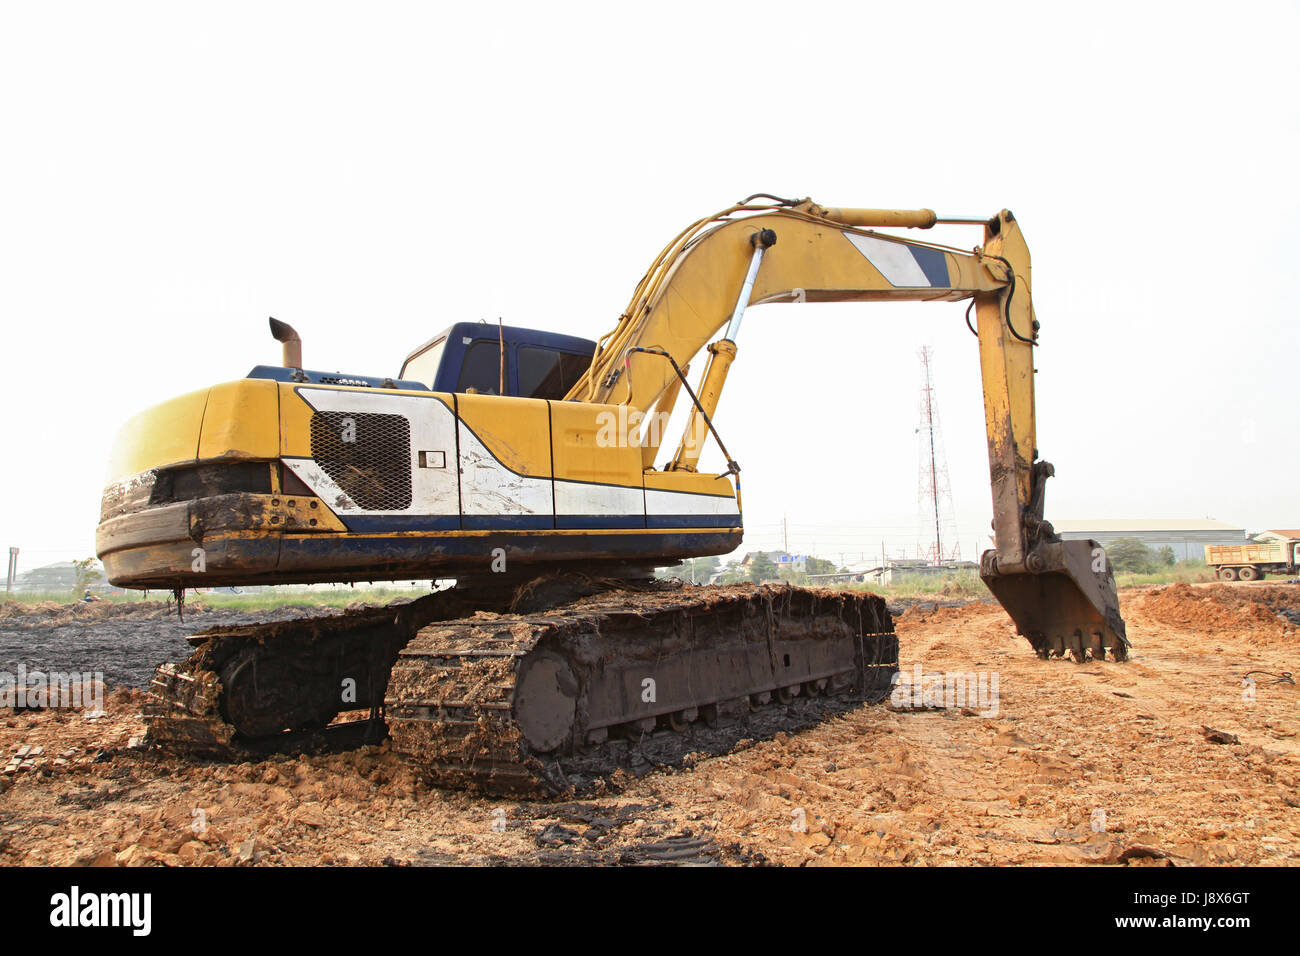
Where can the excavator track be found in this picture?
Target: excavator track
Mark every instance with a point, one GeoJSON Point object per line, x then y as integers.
{"type": "Point", "coordinates": [277, 686]}
{"type": "Point", "coordinates": [560, 701]}
{"type": "Point", "coordinates": [270, 686]}
{"type": "Point", "coordinates": [546, 687]}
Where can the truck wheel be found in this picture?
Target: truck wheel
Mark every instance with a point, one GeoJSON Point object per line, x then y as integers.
{"type": "Point", "coordinates": [1248, 574]}
{"type": "Point", "coordinates": [1227, 574]}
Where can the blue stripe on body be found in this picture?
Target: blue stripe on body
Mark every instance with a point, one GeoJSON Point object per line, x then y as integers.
{"type": "Point", "coordinates": [598, 522]}
{"type": "Point", "coordinates": [933, 263]}
{"type": "Point", "coordinates": [390, 523]}
{"type": "Point", "coordinates": [693, 521]}
{"type": "Point", "coordinates": [507, 522]}
{"type": "Point", "coordinates": [401, 522]}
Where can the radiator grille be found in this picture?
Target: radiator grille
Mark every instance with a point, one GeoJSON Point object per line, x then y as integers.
{"type": "Point", "coordinates": [367, 455]}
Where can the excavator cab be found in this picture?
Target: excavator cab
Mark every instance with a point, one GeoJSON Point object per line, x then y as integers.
{"type": "Point", "coordinates": [474, 357]}
{"type": "Point", "coordinates": [469, 358]}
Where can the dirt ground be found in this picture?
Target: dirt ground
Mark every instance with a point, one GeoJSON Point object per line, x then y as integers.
{"type": "Point", "coordinates": [1179, 756]}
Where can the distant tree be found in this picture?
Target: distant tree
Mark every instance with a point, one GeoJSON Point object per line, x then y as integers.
{"type": "Point", "coordinates": [1166, 557]}
{"type": "Point", "coordinates": [87, 572]}
{"type": "Point", "coordinates": [1132, 556]}
{"type": "Point", "coordinates": [791, 576]}
{"type": "Point", "coordinates": [733, 573]}
{"type": "Point", "coordinates": [762, 568]}
{"type": "Point", "coordinates": [820, 566]}
{"type": "Point", "coordinates": [698, 570]}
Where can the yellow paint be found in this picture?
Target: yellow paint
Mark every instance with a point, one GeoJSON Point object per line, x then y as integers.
{"type": "Point", "coordinates": [294, 514]}
{"type": "Point", "coordinates": [689, 481]}
{"type": "Point", "coordinates": [590, 443]}
{"type": "Point", "coordinates": [721, 354]}
{"type": "Point", "coordinates": [515, 430]}
{"type": "Point", "coordinates": [652, 436]}
{"type": "Point", "coordinates": [295, 423]}
{"type": "Point", "coordinates": [689, 294]}
{"type": "Point", "coordinates": [1007, 370]}
{"type": "Point", "coordinates": [241, 421]}
{"type": "Point", "coordinates": [167, 434]}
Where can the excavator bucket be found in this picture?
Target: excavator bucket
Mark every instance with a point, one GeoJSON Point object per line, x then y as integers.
{"type": "Point", "coordinates": [1065, 602]}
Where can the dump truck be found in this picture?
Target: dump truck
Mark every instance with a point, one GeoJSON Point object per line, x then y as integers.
{"type": "Point", "coordinates": [1252, 562]}
{"type": "Point", "coordinates": [526, 467]}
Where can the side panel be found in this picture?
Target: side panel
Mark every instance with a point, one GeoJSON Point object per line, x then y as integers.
{"type": "Point", "coordinates": [505, 462]}
{"type": "Point", "coordinates": [598, 476]}
{"type": "Point", "coordinates": [241, 421]}
{"type": "Point", "coordinates": [375, 441]}
{"type": "Point", "coordinates": [683, 499]}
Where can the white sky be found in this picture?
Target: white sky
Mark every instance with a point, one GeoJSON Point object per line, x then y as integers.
{"type": "Point", "coordinates": [171, 175]}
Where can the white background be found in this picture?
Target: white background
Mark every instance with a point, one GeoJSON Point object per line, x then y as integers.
{"type": "Point", "coordinates": [171, 174]}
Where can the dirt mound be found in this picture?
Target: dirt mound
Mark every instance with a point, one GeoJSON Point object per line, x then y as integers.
{"type": "Point", "coordinates": [53, 614]}
{"type": "Point", "coordinates": [1245, 611]}
{"type": "Point", "coordinates": [942, 613]}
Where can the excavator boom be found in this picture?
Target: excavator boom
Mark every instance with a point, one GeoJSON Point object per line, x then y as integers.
{"type": "Point", "coordinates": [1061, 595]}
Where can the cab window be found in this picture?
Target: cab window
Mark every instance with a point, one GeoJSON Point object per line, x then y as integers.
{"type": "Point", "coordinates": [423, 368]}
{"type": "Point", "coordinates": [481, 369]}
{"type": "Point", "coordinates": [546, 373]}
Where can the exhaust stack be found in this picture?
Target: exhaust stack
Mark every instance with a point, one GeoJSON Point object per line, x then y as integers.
{"type": "Point", "coordinates": [283, 333]}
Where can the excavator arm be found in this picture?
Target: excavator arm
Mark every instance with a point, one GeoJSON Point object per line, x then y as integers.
{"type": "Point", "coordinates": [1061, 595]}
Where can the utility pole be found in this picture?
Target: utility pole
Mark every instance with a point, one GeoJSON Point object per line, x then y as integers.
{"type": "Point", "coordinates": [13, 570]}
{"type": "Point", "coordinates": [934, 472]}
{"type": "Point", "coordinates": [785, 534]}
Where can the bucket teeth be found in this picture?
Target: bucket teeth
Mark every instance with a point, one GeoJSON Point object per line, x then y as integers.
{"type": "Point", "coordinates": [1067, 606]}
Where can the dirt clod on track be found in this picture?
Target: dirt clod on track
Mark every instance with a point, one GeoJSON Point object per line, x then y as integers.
{"type": "Point", "coordinates": [1099, 763]}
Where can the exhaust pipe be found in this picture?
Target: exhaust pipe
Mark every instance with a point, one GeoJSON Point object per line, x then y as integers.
{"type": "Point", "coordinates": [283, 333]}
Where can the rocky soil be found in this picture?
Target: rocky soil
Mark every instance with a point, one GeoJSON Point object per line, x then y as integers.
{"type": "Point", "coordinates": [1186, 754]}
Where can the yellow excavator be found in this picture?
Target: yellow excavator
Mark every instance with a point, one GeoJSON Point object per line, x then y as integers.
{"type": "Point", "coordinates": [522, 465]}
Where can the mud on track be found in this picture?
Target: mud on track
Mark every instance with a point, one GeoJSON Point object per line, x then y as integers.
{"type": "Point", "coordinates": [1081, 764]}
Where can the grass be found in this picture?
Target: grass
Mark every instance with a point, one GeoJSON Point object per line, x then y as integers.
{"type": "Point", "coordinates": [967, 584]}
{"type": "Point", "coordinates": [1188, 572]}
{"type": "Point", "coordinates": [335, 597]}
{"type": "Point", "coordinates": [960, 585]}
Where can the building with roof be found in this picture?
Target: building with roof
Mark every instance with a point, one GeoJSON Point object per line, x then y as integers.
{"type": "Point", "coordinates": [1279, 534]}
{"type": "Point", "coordinates": [782, 560]}
{"type": "Point", "coordinates": [1186, 536]}
{"type": "Point", "coordinates": [894, 571]}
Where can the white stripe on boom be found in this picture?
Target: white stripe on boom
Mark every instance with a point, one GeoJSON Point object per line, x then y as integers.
{"type": "Point", "coordinates": [894, 260]}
